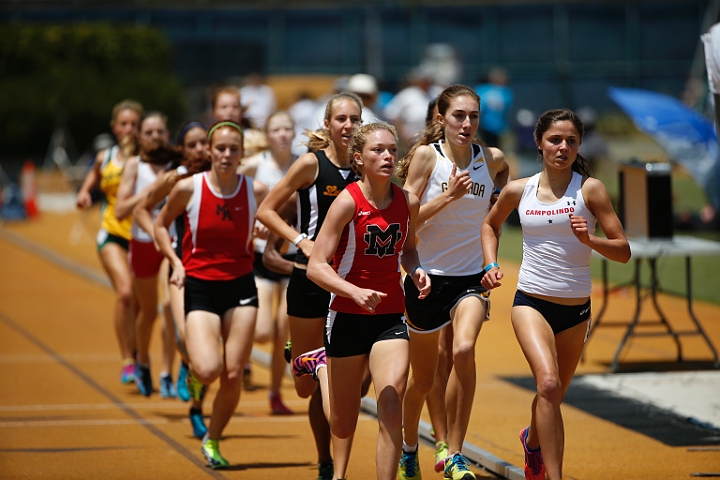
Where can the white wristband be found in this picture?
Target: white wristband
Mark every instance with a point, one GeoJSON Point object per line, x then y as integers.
{"type": "Point", "coordinates": [299, 239]}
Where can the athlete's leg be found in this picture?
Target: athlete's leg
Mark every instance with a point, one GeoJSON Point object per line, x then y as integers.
{"type": "Point", "coordinates": [278, 366]}
{"type": "Point", "coordinates": [553, 360]}
{"type": "Point", "coordinates": [343, 403]}
{"type": "Point", "coordinates": [306, 334]}
{"type": "Point", "coordinates": [114, 260]}
{"type": "Point", "coordinates": [238, 327]}
{"type": "Point", "coordinates": [265, 326]}
{"type": "Point", "coordinates": [168, 326]}
{"type": "Point", "coordinates": [147, 298]}
{"type": "Point", "coordinates": [389, 364]}
{"type": "Point", "coordinates": [424, 362]}
{"type": "Point", "coordinates": [202, 338]}
{"type": "Point", "coordinates": [436, 398]}
{"type": "Point", "coordinates": [469, 315]}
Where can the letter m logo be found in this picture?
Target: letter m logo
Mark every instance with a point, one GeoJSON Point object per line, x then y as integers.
{"type": "Point", "coordinates": [382, 242]}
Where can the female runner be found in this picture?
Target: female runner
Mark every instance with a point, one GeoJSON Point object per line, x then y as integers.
{"type": "Point", "coordinates": [369, 232]}
{"type": "Point", "coordinates": [454, 179]}
{"type": "Point", "coordinates": [114, 236]}
{"type": "Point", "coordinates": [558, 209]}
{"type": "Point", "coordinates": [269, 167]}
{"type": "Point", "coordinates": [318, 178]}
{"type": "Point", "coordinates": [216, 270]}
{"type": "Point", "coordinates": [139, 173]}
{"type": "Point", "coordinates": [192, 144]}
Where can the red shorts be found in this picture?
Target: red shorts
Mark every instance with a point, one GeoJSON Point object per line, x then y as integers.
{"type": "Point", "coordinates": [144, 259]}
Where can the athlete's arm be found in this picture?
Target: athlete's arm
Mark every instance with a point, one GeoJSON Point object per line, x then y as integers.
{"type": "Point", "coordinates": [339, 214]}
{"type": "Point", "coordinates": [155, 193]}
{"type": "Point", "coordinates": [126, 201]}
{"type": "Point", "coordinates": [418, 175]}
{"type": "Point", "coordinates": [92, 180]}
{"type": "Point", "coordinates": [178, 200]}
{"type": "Point", "coordinates": [615, 247]}
{"type": "Point", "coordinates": [409, 259]}
{"type": "Point", "coordinates": [498, 167]}
{"type": "Point", "coordinates": [272, 259]}
{"type": "Point", "coordinates": [490, 230]}
{"type": "Point", "coordinates": [301, 175]}
{"type": "Point", "coordinates": [249, 166]}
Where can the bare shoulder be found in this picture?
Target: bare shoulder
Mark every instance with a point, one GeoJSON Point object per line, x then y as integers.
{"type": "Point", "coordinates": [249, 165]}
{"type": "Point", "coordinates": [494, 156]}
{"type": "Point", "coordinates": [185, 185]}
{"type": "Point", "coordinates": [515, 188]}
{"type": "Point", "coordinates": [593, 188]}
{"type": "Point", "coordinates": [423, 160]}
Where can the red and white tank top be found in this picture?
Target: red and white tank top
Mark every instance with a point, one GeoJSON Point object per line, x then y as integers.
{"type": "Point", "coordinates": [217, 242]}
{"type": "Point", "coordinates": [368, 254]}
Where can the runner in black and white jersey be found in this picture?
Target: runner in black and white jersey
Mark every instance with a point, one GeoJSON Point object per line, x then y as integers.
{"type": "Point", "coordinates": [317, 178]}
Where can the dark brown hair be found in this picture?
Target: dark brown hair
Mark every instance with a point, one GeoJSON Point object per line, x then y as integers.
{"type": "Point", "coordinates": [551, 117]}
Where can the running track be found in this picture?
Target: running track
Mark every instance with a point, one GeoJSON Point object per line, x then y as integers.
{"type": "Point", "coordinates": [64, 413]}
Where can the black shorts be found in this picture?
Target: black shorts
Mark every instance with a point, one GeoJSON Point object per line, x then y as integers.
{"type": "Point", "coordinates": [261, 271]}
{"type": "Point", "coordinates": [219, 296]}
{"type": "Point", "coordinates": [350, 334]}
{"type": "Point", "coordinates": [435, 311]}
{"type": "Point", "coordinates": [560, 317]}
{"type": "Point", "coordinates": [304, 298]}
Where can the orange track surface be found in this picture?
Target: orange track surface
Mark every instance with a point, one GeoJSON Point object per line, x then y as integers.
{"type": "Point", "coordinates": [64, 413]}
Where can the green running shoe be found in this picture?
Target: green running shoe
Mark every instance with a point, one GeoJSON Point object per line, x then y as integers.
{"type": "Point", "coordinates": [211, 452]}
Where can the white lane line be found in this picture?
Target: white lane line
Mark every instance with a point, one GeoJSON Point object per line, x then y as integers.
{"type": "Point", "coordinates": [136, 406]}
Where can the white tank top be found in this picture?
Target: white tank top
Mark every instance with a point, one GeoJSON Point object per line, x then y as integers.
{"type": "Point", "coordinates": [554, 261]}
{"type": "Point", "coordinates": [449, 242]}
{"type": "Point", "coordinates": [144, 178]}
{"type": "Point", "coordinates": [269, 174]}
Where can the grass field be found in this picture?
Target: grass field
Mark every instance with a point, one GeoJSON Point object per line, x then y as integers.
{"type": "Point", "coordinates": [670, 270]}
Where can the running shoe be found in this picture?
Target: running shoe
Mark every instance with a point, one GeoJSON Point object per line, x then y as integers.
{"type": "Point", "coordinates": [277, 406]}
{"type": "Point", "coordinates": [409, 467]}
{"type": "Point", "coordinates": [211, 452]}
{"type": "Point", "coordinates": [308, 363]}
{"type": "Point", "coordinates": [456, 468]}
{"type": "Point", "coordinates": [248, 384]}
{"type": "Point", "coordinates": [127, 374]}
{"type": "Point", "coordinates": [441, 453]}
{"type": "Point", "coordinates": [534, 466]}
{"type": "Point", "coordinates": [287, 353]}
{"type": "Point", "coordinates": [143, 379]}
{"type": "Point", "coordinates": [197, 422]}
{"type": "Point", "coordinates": [167, 388]}
{"type": "Point", "coordinates": [197, 390]}
{"type": "Point", "coordinates": [182, 388]}
{"type": "Point", "coordinates": [326, 470]}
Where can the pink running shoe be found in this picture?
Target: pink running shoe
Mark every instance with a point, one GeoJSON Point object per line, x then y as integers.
{"type": "Point", "coordinates": [534, 466]}
{"type": "Point", "coordinates": [277, 406]}
{"type": "Point", "coordinates": [308, 363]}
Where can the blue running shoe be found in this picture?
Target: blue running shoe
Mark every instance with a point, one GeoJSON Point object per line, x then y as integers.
{"type": "Point", "coordinates": [197, 422]}
{"type": "Point", "coordinates": [182, 388]}
{"type": "Point", "coordinates": [456, 468]}
{"type": "Point", "coordinates": [167, 388]}
{"type": "Point", "coordinates": [409, 467]}
{"type": "Point", "coordinates": [143, 379]}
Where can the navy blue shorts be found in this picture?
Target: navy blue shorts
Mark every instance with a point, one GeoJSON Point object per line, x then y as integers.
{"type": "Point", "coordinates": [560, 317]}
{"type": "Point", "coordinates": [350, 334]}
{"type": "Point", "coordinates": [219, 296]}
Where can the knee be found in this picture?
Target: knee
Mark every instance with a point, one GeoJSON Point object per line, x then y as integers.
{"type": "Point", "coordinates": [206, 373]}
{"type": "Point", "coordinates": [390, 415]}
{"type": "Point", "coordinates": [549, 388]}
{"type": "Point", "coordinates": [124, 295]}
{"type": "Point", "coordinates": [305, 386]}
{"type": "Point", "coordinates": [342, 429]}
{"type": "Point", "coordinates": [463, 354]}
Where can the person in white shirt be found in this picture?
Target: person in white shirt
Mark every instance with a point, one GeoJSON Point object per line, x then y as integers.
{"type": "Point", "coordinates": [558, 208]}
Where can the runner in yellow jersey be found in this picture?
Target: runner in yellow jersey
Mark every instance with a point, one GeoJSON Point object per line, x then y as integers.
{"type": "Point", "coordinates": [114, 235]}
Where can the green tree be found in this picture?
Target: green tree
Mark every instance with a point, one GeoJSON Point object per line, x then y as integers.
{"type": "Point", "coordinates": [73, 74]}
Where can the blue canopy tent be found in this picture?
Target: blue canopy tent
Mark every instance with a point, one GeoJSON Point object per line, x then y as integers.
{"type": "Point", "coordinates": [688, 137]}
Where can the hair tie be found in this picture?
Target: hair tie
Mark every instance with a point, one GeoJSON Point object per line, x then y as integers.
{"type": "Point", "coordinates": [187, 128]}
{"type": "Point", "coordinates": [224, 124]}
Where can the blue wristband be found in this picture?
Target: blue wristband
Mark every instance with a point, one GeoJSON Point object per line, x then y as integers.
{"type": "Point", "coordinates": [413, 271]}
{"type": "Point", "coordinates": [496, 190]}
{"type": "Point", "coordinates": [490, 266]}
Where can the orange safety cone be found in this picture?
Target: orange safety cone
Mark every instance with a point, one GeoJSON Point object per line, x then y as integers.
{"type": "Point", "coordinates": [28, 185]}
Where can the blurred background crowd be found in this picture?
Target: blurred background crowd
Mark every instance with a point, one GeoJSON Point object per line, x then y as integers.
{"type": "Point", "coordinates": [64, 64]}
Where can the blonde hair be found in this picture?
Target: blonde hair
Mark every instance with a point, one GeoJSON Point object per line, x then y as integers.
{"type": "Point", "coordinates": [227, 89]}
{"type": "Point", "coordinates": [126, 104]}
{"type": "Point", "coordinates": [320, 139]}
{"type": "Point", "coordinates": [359, 139]}
{"type": "Point", "coordinates": [434, 131]}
